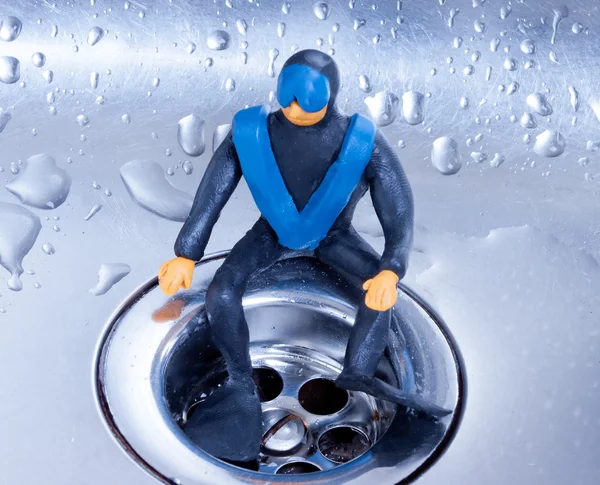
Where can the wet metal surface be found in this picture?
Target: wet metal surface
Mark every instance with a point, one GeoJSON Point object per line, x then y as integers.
{"type": "Point", "coordinates": [506, 249]}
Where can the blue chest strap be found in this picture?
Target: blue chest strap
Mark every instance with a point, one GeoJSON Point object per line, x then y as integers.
{"type": "Point", "coordinates": [307, 228]}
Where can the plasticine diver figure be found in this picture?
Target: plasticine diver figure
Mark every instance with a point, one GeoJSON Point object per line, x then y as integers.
{"type": "Point", "coordinates": [307, 165]}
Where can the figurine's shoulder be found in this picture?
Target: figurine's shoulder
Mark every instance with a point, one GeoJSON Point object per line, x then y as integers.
{"type": "Point", "coordinates": [251, 115]}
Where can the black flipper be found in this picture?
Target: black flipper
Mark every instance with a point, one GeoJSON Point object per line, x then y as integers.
{"type": "Point", "coordinates": [228, 423]}
{"type": "Point", "coordinates": [382, 390]}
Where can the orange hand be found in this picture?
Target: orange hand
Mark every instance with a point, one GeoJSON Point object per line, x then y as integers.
{"type": "Point", "coordinates": [175, 273]}
{"type": "Point", "coordinates": [169, 311]}
{"type": "Point", "coordinates": [381, 291]}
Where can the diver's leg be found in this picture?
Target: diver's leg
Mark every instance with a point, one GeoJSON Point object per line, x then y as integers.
{"type": "Point", "coordinates": [227, 424]}
{"type": "Point", "coordinates": [347, 252]}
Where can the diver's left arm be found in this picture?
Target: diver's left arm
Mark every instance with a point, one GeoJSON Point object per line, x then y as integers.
{"type": "Point", "coordinates": [393, 202]}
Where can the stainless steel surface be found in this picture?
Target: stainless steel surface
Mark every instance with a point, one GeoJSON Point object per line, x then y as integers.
{"type": "Point", "coordinates": [508, 256]}
{"type": "Point", "coordinates": [299, 314]}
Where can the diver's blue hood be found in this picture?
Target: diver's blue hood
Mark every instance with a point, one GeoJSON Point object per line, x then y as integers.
{"type": "Point", "coordinates": [311, 78]}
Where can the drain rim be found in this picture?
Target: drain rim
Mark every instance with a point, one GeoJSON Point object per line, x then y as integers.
{"type": "Point", "coordinates": [109, 420]}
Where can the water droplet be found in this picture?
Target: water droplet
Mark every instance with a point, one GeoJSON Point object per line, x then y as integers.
{"type": "Point", "coordinates": [75, 48]}
{"type": "Point", "coordinates": [505, 12]}
{"type": "Point", "coordinates": [38, 59]}
{"type": "Point", "coordinates": [14, 168]}
{"type": "Point", "coordinates": [479, 26]}
{"type": "Point", "coordinates": [577, 28]}
{"type": "Point", "coordinates": [229, 85]}
{"type": "Point", "coordinates": [170, 172]}
{"type": "Point", "coordinates": [445, 156]}
{"type": "Point", "coordinates": [593, 146]}
{"type": "Point", "coordinates": [538, 103]}
{"type": "Point", "coordinates": [147, 185]}
{"type": "Point", "coordinates": [364, 83]}
{"type": "Point", "coordinates": [82, 120]}
{"type": "Point", "coordinates": [168, 152]}
{"type": "Point", "coordinates": [108, 276]}
{"type": "Point", "coordinates": [191, 48]}
{"type": "Point", "coordinates": [510, 64]}
{"type": "Point", "coordinates": [95, 35]}
{"type": "Point", "coordinates": [10, 69]}
{"type": "Point", "coordinates": [383, 107]}
{"type": "Point", "coordinates": [528, 47]}
{"type": "Point", "coordinates": [286, 7]}
{"type": "Point", "coordinates": [273, 55]}
{"type": "Point", "coordinates": [100, 100]}
{"type": "Point", "coordinates": [478, 157]}
{"type": "Point", "coordinates": [126, 119]}
{"type": "Point", "coordinates": [550, 143]}
{"type": "Point", "coordinates": [358, 23]}
{"type": "Point", "coordinates": [583, 161]}
{"type": "Point", "coordinates": [244, 57]}
{"type": "Point", "coordinates": [141, 14]}
{"type": "Point", "coordinates": [488, 73]}
{"type": "Point", "coordinates": [494, 44]}
{"type": "Point", "coordinates": [529, 64]}
{"type": "Point", "coordinates": [553, 58]}
{"type": "Point", "coordinates": [527, 139]}
{"type": "Point", "coordinates": [561, 12]}
{"type": "Point", "coordinates": [219, 135]}
{"type": "Point", "coordinates": [19, 229]}
{"type": "Point", "coordinates": [92, 212]}
{"type": "Point", "coordinates": [242, 26]}
{"type": "Point", "coordinates": [528, 121]}
{"type": "Point", "coordinates": [475, 56]}
{"type": "Point", "coordinates": [321, 10]}
{"type": "Point", "coordinates": [5, 117]}
{"type": "Point", "coordinates": [218, 40]}
{"type": "Point", "coordinates": [48, 249]}
{"type": "Point", "coordinates": [208, 62]}
{"type": "Point", "coordinates": [42, 183]}
{"type": "Point", "coordinates": [513, 87]}
{"type": "Point", "coordinates": [281, 30]}
{"type": "Point", "coordinates": [497, 160]}
{"type": "Point", "coordinates": [574, 98]}
{"type": "Point", "coordinates": [48, 76]}
{"type": "Point", "coordinates": [464, 102]}
{"type": "Point", "coordinates": [190, 135]}
{"type": "Point", "coordinates": [412, 107]}
{"type": "Point", "coordinates": [10, 28]}
{"type": "Point", "coordinates": [468, 70]}
{"type": "Point", "coordinates": [457, 42]}
{"type": "Point", "coordinates": [453, 13]}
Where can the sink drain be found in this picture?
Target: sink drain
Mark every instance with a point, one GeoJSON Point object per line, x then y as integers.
{"type": "Point", "coordinates": [152, 372]}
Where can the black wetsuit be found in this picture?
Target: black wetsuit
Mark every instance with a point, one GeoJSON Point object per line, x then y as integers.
{"type": "Point", "coordinates": [303, 155]}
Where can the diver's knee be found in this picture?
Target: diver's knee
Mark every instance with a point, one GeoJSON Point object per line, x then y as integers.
{"type": "Point", "coordinates": [223, 292]}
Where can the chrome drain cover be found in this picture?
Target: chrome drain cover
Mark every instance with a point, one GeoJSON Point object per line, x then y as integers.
{"type": "Point", "coordinates": [156, 361]}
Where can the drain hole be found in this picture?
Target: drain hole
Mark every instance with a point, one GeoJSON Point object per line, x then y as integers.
{"type": "Point", "coordinates": [322, 396]}
{"type": "Point", "coordinates": [297, 468]}
{"type": "Point", "coordinates": [269, 383]}
{"type": "Point", "coordinates": [283, 432]}
{"type": "Point", "coordinates": [343, 444]}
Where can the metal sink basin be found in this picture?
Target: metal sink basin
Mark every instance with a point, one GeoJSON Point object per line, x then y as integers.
{"type": "Point", "coordinates": [151, 372]}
